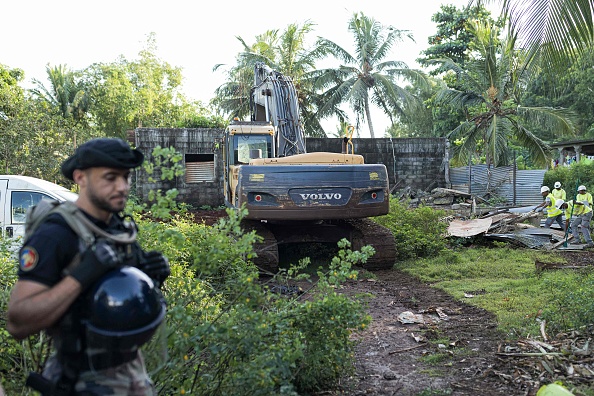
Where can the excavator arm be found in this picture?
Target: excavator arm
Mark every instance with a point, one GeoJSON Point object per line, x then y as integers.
{"type": "Point", "coordinates": [274, 99]}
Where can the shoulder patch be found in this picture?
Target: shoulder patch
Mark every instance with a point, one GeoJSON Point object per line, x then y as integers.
{"type": "Point", "coordinates": [29, 258]}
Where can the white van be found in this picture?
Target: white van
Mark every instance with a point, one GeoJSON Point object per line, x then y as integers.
{"type": "Point", "coordinates": [18, 194]}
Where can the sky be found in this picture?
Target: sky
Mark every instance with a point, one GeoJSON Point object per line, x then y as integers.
{"type": "Point", "coordinates": [190, 34]}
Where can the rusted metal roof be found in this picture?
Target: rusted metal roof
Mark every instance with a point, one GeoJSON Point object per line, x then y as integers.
{"type": "Point", "coordinates": [467, 228]}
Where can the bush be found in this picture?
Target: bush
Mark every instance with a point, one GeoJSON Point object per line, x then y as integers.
{"type": "Point", "coordinates": [573, 301]}
{"type": "Point", "coordinates": [418, 232]}
{"type": "Point", "coordinates": [229, 335]}
{"type": "Point", "coordinates": [16, 358]}
{"type": "Point", "coordinates": [571, 177]}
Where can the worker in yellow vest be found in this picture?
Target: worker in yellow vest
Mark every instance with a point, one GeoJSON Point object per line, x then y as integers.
{"type": "Point", "coordinates": [553, 212]}
{"type": "Point", "coordinates": [583, 196]}
{"type": "Point", "coordinates": [582, 214]}
{"type": "Point", "coordinates": [558, 192]}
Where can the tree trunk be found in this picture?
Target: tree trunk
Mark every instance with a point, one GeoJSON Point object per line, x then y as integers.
{"type": "Point", "coordinates": [368, 115]}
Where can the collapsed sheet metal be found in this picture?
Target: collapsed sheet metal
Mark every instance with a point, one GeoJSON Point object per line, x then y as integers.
{"type": "Point", "coordinates": [467, 228]}
{"type": "Point", "coordinates": [529, 241]}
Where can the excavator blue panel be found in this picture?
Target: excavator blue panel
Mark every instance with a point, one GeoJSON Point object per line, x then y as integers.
{"type": "Point", "coordinates": [310, 192]}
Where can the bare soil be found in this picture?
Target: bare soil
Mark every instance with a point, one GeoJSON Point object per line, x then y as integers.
{"type": "Point", "coordinates": [395, 358]}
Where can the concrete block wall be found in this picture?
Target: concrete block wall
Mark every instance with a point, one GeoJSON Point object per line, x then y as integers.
{"type": "Point", "coordinates": [418, 163]}
{"type": "Point", "coordinates": [186, 141]}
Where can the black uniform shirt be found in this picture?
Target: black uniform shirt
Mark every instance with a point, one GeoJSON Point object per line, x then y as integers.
{"type": "Point", "coordinates": [50, 249]}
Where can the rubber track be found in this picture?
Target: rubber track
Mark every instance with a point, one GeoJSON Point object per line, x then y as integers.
{"type": "Point", "coordinates": [360, 232]}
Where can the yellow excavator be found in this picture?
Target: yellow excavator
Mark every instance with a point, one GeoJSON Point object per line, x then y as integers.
{"type": "Point", "coordinates": [293, 196]}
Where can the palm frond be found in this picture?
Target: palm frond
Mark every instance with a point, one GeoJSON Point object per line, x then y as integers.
{"type": "Point", "coordinates": [460, 99]}
{"type": "Point", "coordinates": [327, 47]}
{"type": "Point", "coordinates": [558, 121]}
{"type": "Point", "coordinates": [554, 29]}
{"type": "Point", "coordinates": [539, 151]}
{"type": "Point", "coordinates": [470, 138]}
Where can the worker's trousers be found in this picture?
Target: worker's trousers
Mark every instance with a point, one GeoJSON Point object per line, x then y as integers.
{"type": "Point", "coordinates": [550, 220]}
{"type": "Point", "coordinates": [584, 221]}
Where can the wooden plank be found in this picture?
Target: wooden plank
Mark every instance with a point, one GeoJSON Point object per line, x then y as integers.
{"type": "Point", "coordinates": [557, 244]}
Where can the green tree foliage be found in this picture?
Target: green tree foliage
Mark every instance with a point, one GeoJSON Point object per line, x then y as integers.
{"type": "Point", "coordinates": [365, 78]}
{"type": "Point", "coordinates": [551, 30]}
{"type": "Point", "coordinates": [286, 53]}
{"type": "Point", "coordinates": [451, 41]}
{"type": "Point", "coordinates": [453, 37]}
{"type": "Point", "coordinates": [11, 94]}
{"type": "Point", "coordinates": [127, 94]}
{"type": "Point", "coordinates": [572, 90]}
{"type": "Point", "coordinates": [490, 91]}
{"type": "Point", "coordinates": [35, 137]}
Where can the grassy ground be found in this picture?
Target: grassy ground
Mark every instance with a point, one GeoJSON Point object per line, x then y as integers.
{"type": "Point", "coordinates": [506, 282]}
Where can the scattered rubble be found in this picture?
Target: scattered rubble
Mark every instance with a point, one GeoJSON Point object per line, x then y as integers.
{"type": "Point", "coordinates": [566, 357]}
{"type": "Point", "coordinates": [519, 226]}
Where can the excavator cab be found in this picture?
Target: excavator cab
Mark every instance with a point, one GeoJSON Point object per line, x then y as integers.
{"type": "Point", "coordinates": [245, 141]}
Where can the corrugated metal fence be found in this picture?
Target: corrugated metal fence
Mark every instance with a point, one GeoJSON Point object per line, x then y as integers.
{"type": "Point", "coordinates": [527, 183]}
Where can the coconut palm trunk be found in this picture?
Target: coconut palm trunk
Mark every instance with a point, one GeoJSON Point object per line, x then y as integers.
{"type": "Point", "coordinates": [368, 115]}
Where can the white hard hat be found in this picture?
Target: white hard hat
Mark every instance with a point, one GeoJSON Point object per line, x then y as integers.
{"type": "Point", "coordinates": [558, 203]}
{"type": "Point", "coordinates": [557, 184]}
{"type": "Point", "coordinates": [544, 189]}
{"type": "Point", "coordinates": [582, 187]}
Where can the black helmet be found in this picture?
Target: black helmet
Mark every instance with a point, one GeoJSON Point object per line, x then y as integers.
{"type": "Point", "coordinates": [125, 308]}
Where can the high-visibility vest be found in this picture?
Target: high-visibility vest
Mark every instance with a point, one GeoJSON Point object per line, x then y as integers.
{"type": "Point", "coordinates": [559, 193]}
{"type": "Point", "coordinates": [584, 197]}
{"type": "Point", "coordinates": [552, 210]}
{"type": "Point", "coordinates": [578, 210]}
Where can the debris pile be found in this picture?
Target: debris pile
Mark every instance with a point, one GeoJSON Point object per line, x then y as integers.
{"type": "Point", "coordinates": [521, 229]}
{"type": "Point", "coordinates": [444, 198]}
{"type": "Point", "coordinates": [568, 356]}
{"type": "Point", "coordinates": [518, 226]}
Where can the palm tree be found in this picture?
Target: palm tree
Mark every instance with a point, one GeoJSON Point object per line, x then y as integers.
{"type": "Point", "coordinates": [365, 77]}
{"type": "Point", "coordinates": [64, 93]}
{"type": "Point", "coordinates": [551, 29]}
{"type": "Point", "coordinates": [283, 52]}
{"type": "Point", "coordinates": [489, 90]}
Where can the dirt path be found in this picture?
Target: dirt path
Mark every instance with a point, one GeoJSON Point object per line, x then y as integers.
{"type": "Point", "coordinates": [396, 358]}
{"type": "Point", "coordinates": [389, 361]}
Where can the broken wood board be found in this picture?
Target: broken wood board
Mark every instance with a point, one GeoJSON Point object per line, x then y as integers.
{"type": "Point", "coordinates": [562, 241]}
{"type": "Point", "coordinates": [467, 228]}
{"type": "Point", "coordinates": [443, 192]}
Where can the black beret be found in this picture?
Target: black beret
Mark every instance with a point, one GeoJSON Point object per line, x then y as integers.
{"type": "Point", "coordinates": [104, 152]}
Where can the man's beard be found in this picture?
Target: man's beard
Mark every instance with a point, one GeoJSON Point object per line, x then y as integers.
{"type": "Point", "coordinates": [104, 204]}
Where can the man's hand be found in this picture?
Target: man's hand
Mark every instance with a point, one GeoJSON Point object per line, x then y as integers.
{"type": "Point", "coordinates": [155, 265]}
{"type": "Point", "coordinates": [94, 262]}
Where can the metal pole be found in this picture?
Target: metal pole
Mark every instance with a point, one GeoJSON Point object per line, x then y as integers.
{"type": "Point", "coordinates": [470, 175]}
{"type": "Point", "coordinates": [514, 178]}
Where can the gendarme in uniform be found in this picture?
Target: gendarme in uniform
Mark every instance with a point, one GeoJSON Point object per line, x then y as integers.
{"type": "Point", "coordinates": [54, 251]}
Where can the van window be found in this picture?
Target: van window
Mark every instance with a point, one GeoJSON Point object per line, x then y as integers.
{"type": "Point", "coordinates": [22, 201]}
